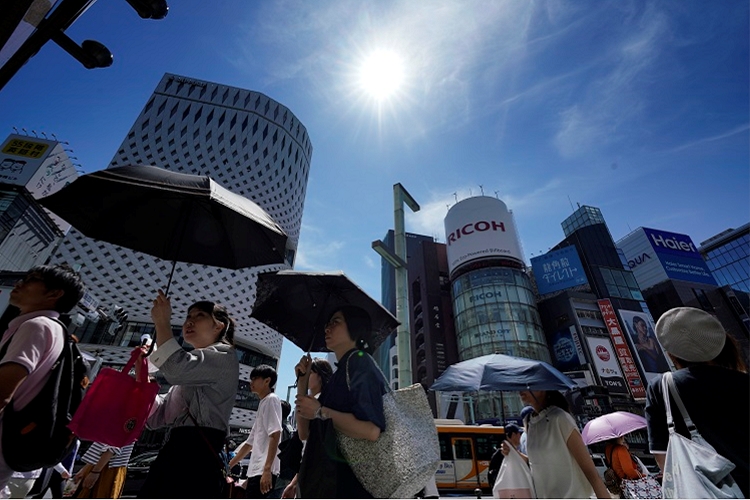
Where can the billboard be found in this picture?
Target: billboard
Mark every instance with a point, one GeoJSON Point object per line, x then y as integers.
{"type": "Point", "coordinates": [558, 270]}
{"type": "Point", "coordinates": [478, 228]}
{"type": "Point", "coordinates": [622, 351]}
{"type": "Point", "coordinates": [566, 349]}
{"type": "Point", "coordinates": [648, 351]}
{"type": "Point", "coordinates": [605, 362]}
{"type": "Point", "coordinates": [655, 256]}
{"type": "Point", "coordinates": [678, 255]}
{"type": "Point", "coordinates": [21, 157]}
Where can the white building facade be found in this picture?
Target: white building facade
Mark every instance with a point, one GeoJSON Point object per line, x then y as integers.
{"type": "Point", "coordinates": [247, 142]}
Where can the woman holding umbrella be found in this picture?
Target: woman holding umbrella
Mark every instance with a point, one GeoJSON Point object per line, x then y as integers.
{"type": "Point", "coordinates": [353, 407]}
{"type": "Point", "coordinates": [561, 466]}
{"type": "Point", "coordinates": [199, 403]}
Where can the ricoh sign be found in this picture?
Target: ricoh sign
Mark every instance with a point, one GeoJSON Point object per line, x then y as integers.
{"type": "Point", "coordinates": [479, 228]}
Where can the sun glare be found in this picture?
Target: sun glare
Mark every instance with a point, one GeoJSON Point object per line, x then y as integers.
{"type": "Point", "coordinates": [381, 74]}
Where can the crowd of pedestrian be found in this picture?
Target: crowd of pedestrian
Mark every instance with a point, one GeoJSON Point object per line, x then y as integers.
{"type": "Point", "coordinates": [195, 462]}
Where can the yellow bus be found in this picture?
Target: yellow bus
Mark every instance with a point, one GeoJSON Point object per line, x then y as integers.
{"type": "Point", "coordinates": [465, 452]}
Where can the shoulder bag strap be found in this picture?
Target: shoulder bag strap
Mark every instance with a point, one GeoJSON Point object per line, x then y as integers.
{"type": "Point", "coordinates": [348, 380]}
{"type": "Point", "coordinates": [669, 387]}
{"type": "Point", "coordinates": [224, 465]}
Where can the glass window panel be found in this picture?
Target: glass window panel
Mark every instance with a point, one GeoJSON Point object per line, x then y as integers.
{"type": "Point", "coordinates": [512, 292]}
{"type": "Point", "coordinates": [607, 276]}
{"type": "Point", "coordinates": [619, 279]}
{"type": "Point", "coordinates": [630, 280]}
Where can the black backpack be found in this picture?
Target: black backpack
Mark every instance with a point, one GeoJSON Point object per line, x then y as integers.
{"type": "Point", "coordinates": [290, 453]}
{"type": "Point", "coordinates": [38, 436]}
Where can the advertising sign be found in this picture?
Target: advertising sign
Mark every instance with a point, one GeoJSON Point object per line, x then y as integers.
{"type": "Point", "coordinates": [622, 350]}
{"type": "Point", "coordinates": [679, 257]}
{"type": "Point", "coordinates": [566, 351]}
{"type": "Point", "coordinates": [606, 365]}
{"type": "Point", "coordinates": [21, 157]}
{"type": "Point", "coordinates": [478, 228]}
{"type": "Point", "coordinates": [558, 270]}
{"type": "Point", "coordinates": [648, 351]}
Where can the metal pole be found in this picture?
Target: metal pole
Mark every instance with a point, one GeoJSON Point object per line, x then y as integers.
{"type": "Point", "coordinates": [402, 302]}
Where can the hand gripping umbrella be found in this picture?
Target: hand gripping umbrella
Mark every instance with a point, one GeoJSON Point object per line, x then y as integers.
{"type": "Point", "coordinates": [172, 216]}
{"type": "Point", "coordinates": [298, 304]}
{"type": "Point", "coordinates": [499, 372]}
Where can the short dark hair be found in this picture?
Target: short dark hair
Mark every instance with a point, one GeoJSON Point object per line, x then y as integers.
{"type": "Point", "coordinates": [286, 409]}
{"type": "Point", "coordinates": [323, 368]}
{"type": "Point", "coordinates": [511, 429]}
{"type": "Point", "coordinates": [359, 325]}
{"type": "Point", "coordinates": [265, 371]}
{"type": "Point", "coordinates": [61, 277]}
{"type": "Point", "coordinates": [220, 314]}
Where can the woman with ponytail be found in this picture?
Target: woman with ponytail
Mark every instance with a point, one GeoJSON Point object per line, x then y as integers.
{"type": "Point", "coordinates": [351, 403]}
{"type": "Point", "coordinates": [199, 403]}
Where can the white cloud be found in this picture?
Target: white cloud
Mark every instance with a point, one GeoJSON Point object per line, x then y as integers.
{"type": "Point", "coordinates": [718, 137]}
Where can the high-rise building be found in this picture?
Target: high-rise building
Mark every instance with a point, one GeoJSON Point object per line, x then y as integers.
{"type": "Point", "coordinates": [727, 255]}
{"type": "Point", "coordinates": [386, 354]}
{"type": "Point", "coordinates": [247, 142]}
{"type": "Point", "coordinates": [588, 302]}
{"type": "Point", "coordinates": [672, 273]}
{"type": "Point", "coordinates": [492, 295]}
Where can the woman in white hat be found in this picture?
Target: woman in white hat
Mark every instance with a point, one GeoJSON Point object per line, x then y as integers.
{"type": "Point", "coordinates": [712, 381]}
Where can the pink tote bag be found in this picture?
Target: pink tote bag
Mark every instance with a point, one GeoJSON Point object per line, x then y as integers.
{"type": "Point", "coordinates": [116, 406]}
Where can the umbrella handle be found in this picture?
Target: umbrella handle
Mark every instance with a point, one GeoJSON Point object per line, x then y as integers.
{"type": "Point", "coordinates": [169, 281]}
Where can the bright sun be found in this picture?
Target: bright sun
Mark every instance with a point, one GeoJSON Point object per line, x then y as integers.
{"type": "Point", "coordinates": [381, 74]}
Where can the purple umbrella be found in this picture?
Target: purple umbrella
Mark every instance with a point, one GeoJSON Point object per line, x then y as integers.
{"type": "Point", "coordinates": [611, 425]}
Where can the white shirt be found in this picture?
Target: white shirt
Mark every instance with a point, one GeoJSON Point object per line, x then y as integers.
{"type": "Point", "coordinates": [555, 472]}
{"type": "Point", "coordinates": [267, 421]}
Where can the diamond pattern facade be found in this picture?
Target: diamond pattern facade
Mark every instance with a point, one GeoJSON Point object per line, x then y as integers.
{"type": "Point", "coordinates": [245, 141]}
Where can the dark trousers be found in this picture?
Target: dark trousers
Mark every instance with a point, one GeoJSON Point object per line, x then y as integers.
{"type": "Point", "coordinates": [252, 487]}
{"type": "Point", "coordinates": [188, 466]}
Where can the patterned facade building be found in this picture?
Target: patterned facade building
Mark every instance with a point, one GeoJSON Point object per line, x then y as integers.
{"type": "Point", "coordinates": [247, 142]}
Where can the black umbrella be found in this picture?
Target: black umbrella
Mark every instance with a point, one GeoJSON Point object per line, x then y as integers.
{"type": "Point", "coordinates": [172, 216]}
{"type": "Point", "coordinates": [298, 304]}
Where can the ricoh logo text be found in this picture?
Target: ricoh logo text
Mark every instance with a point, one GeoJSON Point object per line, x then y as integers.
{"type": "Point", "coordinates": [475, 227]}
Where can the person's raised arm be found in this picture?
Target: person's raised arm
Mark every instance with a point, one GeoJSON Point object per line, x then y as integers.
{"type": "Point", "coordinates": [161, 314]}
{"type": "Point", "coordinates": [582, 457]}
{"type": "Point", "coordinates": [302, 372]}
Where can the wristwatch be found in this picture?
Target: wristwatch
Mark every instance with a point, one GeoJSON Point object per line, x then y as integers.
{"type": "Point", "coordinates": [319, 413]}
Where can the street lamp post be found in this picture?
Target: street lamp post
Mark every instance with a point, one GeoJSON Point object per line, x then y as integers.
{"type": "Point", "coordinates": [398, 260]}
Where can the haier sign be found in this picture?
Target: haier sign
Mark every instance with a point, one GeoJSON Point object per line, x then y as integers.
{"type": "Point", "coordinates": [678, 256]}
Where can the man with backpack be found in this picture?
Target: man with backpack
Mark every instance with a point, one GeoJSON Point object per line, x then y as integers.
{"type": "Point", "coordinates": [34, 341]}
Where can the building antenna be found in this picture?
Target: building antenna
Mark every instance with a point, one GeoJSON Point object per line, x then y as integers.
{"type": "Point", "coordinates": [481, 188]}
{"type": "Point", "coordinates": [571, 204]}
{"type": "Point", "coordinates": [497, 194]}
{"type": "Point", "coordinates": [471, 193]}
{"type": "Point", "coordinates": [455, 197]}
{"type": "Point", "coordinates": [630, 228]}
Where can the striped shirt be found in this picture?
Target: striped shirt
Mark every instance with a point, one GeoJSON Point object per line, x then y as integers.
{"type": "Point", "coordinates": [120, 456]}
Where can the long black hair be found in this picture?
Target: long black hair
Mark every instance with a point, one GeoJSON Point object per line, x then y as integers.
{"type": "Point", "coordinates": [219, 313]}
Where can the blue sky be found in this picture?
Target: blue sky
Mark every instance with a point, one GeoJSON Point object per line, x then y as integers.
{"type": "Point", "coordinates": [637, 107]}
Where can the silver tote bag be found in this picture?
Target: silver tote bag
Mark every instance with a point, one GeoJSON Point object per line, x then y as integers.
{"type": "Point", "coordinates": [406, 455]}
{"type": "Point", "coordinates": [692, 467]}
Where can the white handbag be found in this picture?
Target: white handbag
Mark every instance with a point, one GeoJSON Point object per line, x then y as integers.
{"type": "Point", "coordinates": [514, 478]}
{"type": "Point", "coordinates": [692, 467]}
